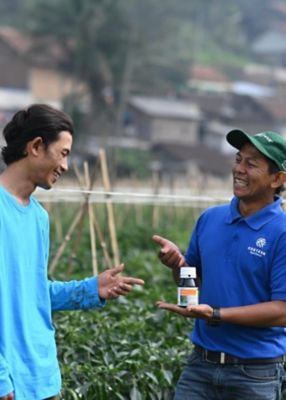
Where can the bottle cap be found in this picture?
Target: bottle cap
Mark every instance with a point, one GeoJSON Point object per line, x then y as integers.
{"type": "Point", "coordinates": [188, 272]}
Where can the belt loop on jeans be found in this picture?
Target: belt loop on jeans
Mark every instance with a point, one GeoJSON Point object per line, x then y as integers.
{"type": "Point", "coordinates": [206, 353]}
{"type": "Point", "coordinates": [222, 358]}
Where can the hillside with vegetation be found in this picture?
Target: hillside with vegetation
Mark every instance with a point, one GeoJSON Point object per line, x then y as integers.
{"type": "Point", "coordinates": [118, 48]}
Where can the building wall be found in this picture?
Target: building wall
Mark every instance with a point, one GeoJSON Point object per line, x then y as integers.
{"type": "Point", "coordinates": [179, 131]}
{"type": "Point", "coordinates": [47, 84]}
{"type": "Point", "coordinates": [142, 124]}
{"type": "Point", "coordinates": [14, 72]}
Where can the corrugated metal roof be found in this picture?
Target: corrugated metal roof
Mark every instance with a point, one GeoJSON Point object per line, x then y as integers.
{"type": "Point", "coordinates": [164, 107]}
{"type": "Point", "coordinates": [270, 42]}
{"type": "Point", "coordinates": [14, 99]}
{"type": "Point", "coordinates": [251, 89]}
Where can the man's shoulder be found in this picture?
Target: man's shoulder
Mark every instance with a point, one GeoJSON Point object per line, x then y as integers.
{"type": "Point", "coordinates": [38, 206]}
{"type": "Point", "coordinates": [218, 209]}
{"type": "Point", "coordinates": [280, 219]}
{"type": "Point", "coordinates": [214, 214]}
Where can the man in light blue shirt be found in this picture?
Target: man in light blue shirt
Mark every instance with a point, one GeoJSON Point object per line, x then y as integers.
{"type": "Point", "coordinates": [38, 143]}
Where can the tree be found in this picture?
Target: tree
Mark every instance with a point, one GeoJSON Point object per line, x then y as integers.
{"type": "Point", "coordinates": [92, 35]}
{"type": "Point", "coordinates": [118, 47]}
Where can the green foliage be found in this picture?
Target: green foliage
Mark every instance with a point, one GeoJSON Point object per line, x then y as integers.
{"type": "Point", "coordinates": [154, 40]}
{"type": "Point", "coordinates": [133, 163]}
{"type": "Point", "coordinates": [144, 47]}
{"type": "Point", "coordinates": [129, 349]}
{"type": "Point", "coordinates": [93, 38]}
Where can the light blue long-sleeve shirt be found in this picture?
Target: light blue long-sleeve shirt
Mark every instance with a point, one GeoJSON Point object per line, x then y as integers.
{"type": "Point", "coordinates": [28, 356]}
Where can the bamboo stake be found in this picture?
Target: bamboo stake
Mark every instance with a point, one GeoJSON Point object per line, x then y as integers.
{"type": "Point", "coordinates": [67, 238]}
{"type": "Point", "coordinates": [76, 243]}
{"type": "Point", "coordinates": [155, 211]}
{"type": "Point", "coordinates": [94, 218]}
{"type": "Point", "coordinates": [102, 243]}
{"type": "Point", "coordinates": [78, 176]}
{"type": "Point", "coordinates": [111, 221]}
{"type": "Point", "coordinates": [77, 240]}
{"type": "Point", "coordinates": [78, 218]}
{"type": "Point", "coordinates": [91, 222]}
{"type": "Point", "coordinates": [57, 222]}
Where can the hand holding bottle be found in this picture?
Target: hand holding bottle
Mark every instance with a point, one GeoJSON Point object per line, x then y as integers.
{"type": "Point", "coordinates": [201, 311]}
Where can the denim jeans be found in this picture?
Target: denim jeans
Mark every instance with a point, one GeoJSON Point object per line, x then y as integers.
{"type": "Point", "coordinates": [203, 380]}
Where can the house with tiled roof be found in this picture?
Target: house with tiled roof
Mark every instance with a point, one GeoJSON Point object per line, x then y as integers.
{"type": "Point", "coordinates": [270, 47]}
{"type": "Point", "coordinates": [165, 120]}
{"type": "Point", "coordinates": [24, 68]}
{"type": "Point", "coordinates": [208, 78]}
{"type": "Point", "coordinates": [276, 109]}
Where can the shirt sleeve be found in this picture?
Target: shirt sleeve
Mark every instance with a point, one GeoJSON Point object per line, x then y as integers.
{"type": "Point", "coordinates": [278, 271]}
{"type": "Point", "coordinates": [75, 295]}
{"type": "Point", "coordinates": [192, 254]}
{"type": "Point", "coordinates": [6, 385]}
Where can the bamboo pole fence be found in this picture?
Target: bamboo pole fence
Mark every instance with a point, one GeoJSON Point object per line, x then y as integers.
{"type": "Point", "coordinates": [109, 205]}
{"type": "Point", "coordinates": [86, 209]}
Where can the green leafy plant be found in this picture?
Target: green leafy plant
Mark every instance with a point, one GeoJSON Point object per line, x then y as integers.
{"type": "Point", "coordinates": [129, 349]}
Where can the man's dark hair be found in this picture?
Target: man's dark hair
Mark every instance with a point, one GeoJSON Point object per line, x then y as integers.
{"type": "Point", "coordinates": [38, 120]}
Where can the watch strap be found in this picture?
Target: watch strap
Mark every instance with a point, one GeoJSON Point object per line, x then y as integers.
{"type": "Point", "coordinates": [215, 319]}
{"type": "Point", "coordinates": [216, 314]}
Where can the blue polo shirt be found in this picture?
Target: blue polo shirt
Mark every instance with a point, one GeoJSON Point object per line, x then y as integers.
{"type": "Point", "coordinates": [242, 261]}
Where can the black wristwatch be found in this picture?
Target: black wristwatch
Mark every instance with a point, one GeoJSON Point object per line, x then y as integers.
{"type": "Point", "coordinates": [215, 319]}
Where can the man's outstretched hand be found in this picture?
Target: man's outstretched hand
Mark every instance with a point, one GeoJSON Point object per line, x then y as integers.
{"type": "Point", "coordinates": [169, 253]}
{"type": "Point", "coordinates": [112, 285]}
{"type": "Point", "coordinates": [202, 311]}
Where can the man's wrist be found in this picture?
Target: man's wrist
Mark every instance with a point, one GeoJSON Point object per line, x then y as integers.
{"type": "Point", "coordinates": [216, 314]}
{"type": "Point", "coordinates": [215, 318]}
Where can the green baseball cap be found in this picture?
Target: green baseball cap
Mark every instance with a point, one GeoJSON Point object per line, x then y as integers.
{"type": "Point", "coordinates": [270, 144]}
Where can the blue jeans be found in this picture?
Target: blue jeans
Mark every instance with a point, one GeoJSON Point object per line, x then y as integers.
{"type": "Point", "coordinates": [203, 380]}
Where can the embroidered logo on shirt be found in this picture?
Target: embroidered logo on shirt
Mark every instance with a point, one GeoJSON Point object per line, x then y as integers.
{"type": "Point", "coordinates": [261, 242]}
{"type": "Point", "coordinates": [257, 251]}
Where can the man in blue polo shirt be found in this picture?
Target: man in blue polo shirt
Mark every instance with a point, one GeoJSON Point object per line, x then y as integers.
{"type": "Point", "coordinates": [240, 254]}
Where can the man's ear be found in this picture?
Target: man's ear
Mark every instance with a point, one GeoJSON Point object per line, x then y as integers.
{"type": "Point", "coordinates": [279, 180]}
{"type": "Point", "coordinates": [34, 146]}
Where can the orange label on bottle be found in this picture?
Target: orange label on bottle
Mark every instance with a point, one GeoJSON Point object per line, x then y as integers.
{"type": "Point", "coordinates": [188, 291]}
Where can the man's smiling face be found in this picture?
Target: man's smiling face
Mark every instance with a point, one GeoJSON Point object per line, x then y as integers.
{"type": "Point", "coordinates": [251, 177]}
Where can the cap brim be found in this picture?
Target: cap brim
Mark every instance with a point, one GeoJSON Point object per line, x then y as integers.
{"type": "Point", "coordinates": [238, 138]}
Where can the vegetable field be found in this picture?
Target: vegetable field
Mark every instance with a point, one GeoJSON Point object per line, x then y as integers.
{"type": "Point", "coordinates": [129, 349]}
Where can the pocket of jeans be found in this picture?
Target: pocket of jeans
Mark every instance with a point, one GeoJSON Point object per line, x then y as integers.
{"type": "Point", "coordinates": [194, 357]}
{"type": "Point", "coordinates": [260, 372]}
